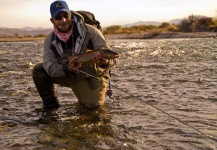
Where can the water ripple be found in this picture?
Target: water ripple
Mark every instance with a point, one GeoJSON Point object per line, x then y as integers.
{"type": "Point", "coordinates": [177, 76]}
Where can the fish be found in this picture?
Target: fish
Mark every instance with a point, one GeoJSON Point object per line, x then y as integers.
{"type": "Point", "coordinates": [89, 56]}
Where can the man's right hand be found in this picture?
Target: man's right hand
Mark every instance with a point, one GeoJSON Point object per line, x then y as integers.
{"type": "Point", "coordinates": [73, 65]}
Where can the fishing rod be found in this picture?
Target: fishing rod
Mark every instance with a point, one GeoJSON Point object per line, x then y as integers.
{"type": "Point", "coordinates": [177, 119]}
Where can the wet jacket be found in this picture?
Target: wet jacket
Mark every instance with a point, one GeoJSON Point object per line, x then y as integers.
{"type": "Point", "coordinates": [84, 37]}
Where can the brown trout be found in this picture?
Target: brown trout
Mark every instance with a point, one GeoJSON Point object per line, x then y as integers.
{"type": "Point", "coordinates": [89, 56]}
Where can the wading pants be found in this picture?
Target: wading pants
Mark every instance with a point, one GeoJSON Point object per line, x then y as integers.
{"type": "Point", "coordinates": [90, 92]}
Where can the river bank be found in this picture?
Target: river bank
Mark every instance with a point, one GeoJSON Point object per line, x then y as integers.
{"type": "Point", "coordinates": [147, 35]}
{"type": "Point", "coordinates": [162, 35]}
{"type": "Point", "coordinates": [21, 39]}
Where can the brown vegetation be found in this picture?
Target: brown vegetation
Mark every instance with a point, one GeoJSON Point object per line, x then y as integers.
{"type": "Point", "coordinates": [191, 27]}
{"type": "Point", "coordinates": [190, 24]}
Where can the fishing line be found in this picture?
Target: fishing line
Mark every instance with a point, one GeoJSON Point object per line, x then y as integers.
{"type": "Point", "coordinates": [177, 119]}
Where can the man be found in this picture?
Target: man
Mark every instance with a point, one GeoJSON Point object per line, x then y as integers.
{"type": "Point", "coordinates": [71, 36]}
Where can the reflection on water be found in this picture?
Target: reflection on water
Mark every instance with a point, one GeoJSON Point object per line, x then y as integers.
{"type": "Point", "coordinates": [84, 129]}
{"type": "Point", "coordinates": [177, 76]}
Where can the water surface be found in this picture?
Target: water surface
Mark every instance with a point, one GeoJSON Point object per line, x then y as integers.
{"type": "Point", "coordinates": [165, 97]}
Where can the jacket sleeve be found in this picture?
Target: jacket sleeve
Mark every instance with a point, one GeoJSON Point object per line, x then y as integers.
{"type": "Point", "coordinates": [50, 61]}
{"type": "Point", "coordinates": [99, 42]}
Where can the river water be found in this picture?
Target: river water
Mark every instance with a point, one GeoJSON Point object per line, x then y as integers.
{"type": "Point", "coordinates": [165, 98]}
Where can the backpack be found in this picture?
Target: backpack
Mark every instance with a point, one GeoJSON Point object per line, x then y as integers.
{"type": "Point", "coordinates": [89, 18]}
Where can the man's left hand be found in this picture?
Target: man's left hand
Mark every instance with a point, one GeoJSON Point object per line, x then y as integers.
{"type": "Point", "coordinates": [72, 63]}
{"type": "Point", "coordinates": [99, 60]}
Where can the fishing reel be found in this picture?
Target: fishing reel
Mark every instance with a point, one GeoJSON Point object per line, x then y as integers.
{"type": "Point", "coordinates": [109, 93]}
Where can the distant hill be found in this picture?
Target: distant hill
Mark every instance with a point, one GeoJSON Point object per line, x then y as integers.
{"type": "Point", "coordinates": [142, 23]}
{"type": "Point", "coordinates": [175, 21]}
{"type": "Point", "coordinates": [156, 23]}
{"type": "Point", "coordinates": [5, 32]}
{"type": "Point", "coordinates": [29, 31]}
{"type": "Point", "coordinates": [33, 29]}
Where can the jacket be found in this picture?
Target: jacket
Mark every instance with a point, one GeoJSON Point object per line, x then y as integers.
{"type": "Point", "coordinates": [85, 34]}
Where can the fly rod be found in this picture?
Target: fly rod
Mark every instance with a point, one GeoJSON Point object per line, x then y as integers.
{"type": "Point", "coordinates": [94, 77]}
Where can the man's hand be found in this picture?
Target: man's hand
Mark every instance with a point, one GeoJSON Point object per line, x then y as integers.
{"type": "Point", "coordinates": [73, 65]}
{"type": "Point", "coordinates": [99, 60]}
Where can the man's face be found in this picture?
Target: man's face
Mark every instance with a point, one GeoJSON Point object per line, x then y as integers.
{"type": "Point", "coordinates": [62, 22]}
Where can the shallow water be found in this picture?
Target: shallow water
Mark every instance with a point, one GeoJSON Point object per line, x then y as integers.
{"type": "Point", "coordinates": [165, 97]}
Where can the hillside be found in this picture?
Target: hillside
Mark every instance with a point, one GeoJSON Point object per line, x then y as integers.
{"type": "Point", "coordinates": [156, 23]}
{"type": "Point", "coordinates": [5, 32]}
{"type": "Point", "coordinates": [29, 31]}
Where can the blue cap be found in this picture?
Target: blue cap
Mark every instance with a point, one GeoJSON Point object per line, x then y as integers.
{"type": "Point", "coordinates": [57, 7]}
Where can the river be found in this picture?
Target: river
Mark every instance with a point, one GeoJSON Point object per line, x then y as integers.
{"type": "Point", "coordinates": [165, 98]}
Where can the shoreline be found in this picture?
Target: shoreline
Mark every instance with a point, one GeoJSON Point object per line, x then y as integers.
{"type": "Point", "coordinates": [163, 35]}
{"type": "Point", "coordinates": [147, 35]}
{"type": "Point", "coordinates": [21, 39]}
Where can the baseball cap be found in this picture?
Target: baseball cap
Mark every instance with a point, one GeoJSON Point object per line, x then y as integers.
{"type": "Point", "coordinates": [57, 7]}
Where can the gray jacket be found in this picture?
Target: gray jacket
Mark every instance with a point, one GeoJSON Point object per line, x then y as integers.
{"type": "Point", "coordinates": [85, 33]}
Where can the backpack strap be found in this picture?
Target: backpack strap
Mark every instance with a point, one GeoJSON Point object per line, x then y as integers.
{"type": "Point", "coordinates": [55, 50]}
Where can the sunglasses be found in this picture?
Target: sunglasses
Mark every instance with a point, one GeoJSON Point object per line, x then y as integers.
{"type": "Point", "coordinates": [59, 17]}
